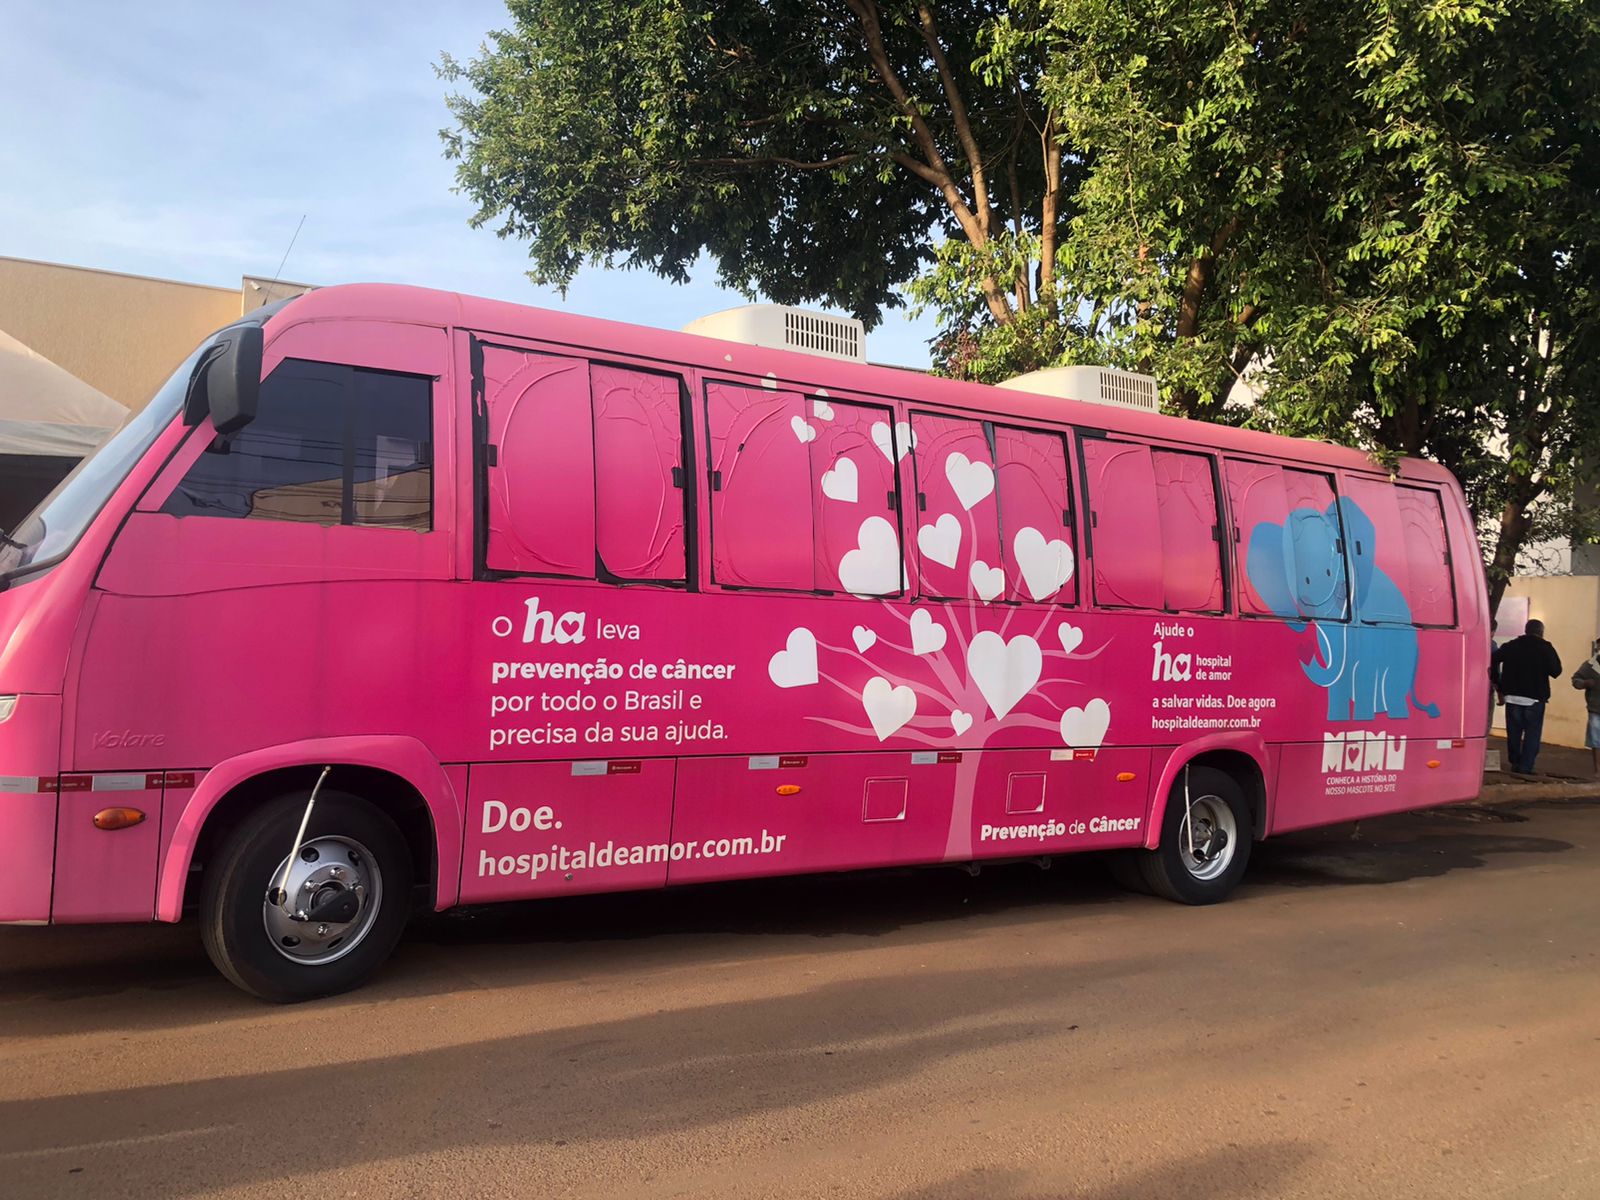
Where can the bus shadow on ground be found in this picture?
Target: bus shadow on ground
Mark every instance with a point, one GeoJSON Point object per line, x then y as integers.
{"type": "Point", "coordinates": [1395, 849]}
{"type": "Point", "coordinates": [552, 940]}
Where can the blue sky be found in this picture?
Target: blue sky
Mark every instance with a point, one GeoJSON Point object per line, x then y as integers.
{"type": "Point", "coordinates": [185, 140]}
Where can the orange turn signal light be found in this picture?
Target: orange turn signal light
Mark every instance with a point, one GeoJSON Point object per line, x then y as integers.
{"type": "Point", "coordinates": [788, 789]}
{"type": "Point", "coordinates": [118, 818]}
{"type": "Point", "coordinates": [1124, 776]}
{"type": "Point", "coordinates": [1432, 762]}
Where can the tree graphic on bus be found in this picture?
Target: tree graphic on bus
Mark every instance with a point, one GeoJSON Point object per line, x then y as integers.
{"type": "Point", "coordinates": [934, 676]}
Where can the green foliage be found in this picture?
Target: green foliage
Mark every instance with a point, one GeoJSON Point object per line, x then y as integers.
{"type": "Point", "coordinates": [1384, 215]}
{"type": "Point", "coordinates": [645, 134]}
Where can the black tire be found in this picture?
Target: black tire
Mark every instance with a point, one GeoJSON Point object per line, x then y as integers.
{"type": "Point", "coordinates": [1169, 871]}
{"type": "Point", "coordinates": [238, 876]}
{"type": "Point", "coordinates": [1125, 871]}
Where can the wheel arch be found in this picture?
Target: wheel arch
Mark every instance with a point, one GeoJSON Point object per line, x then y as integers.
{"type": "Point", "coordinates": [399, 774]}
{"type": "Point", "coordinates": [1241, 757]}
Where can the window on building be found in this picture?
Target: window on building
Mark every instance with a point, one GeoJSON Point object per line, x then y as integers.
{"type": "Point", "coordinates": [330, 445]}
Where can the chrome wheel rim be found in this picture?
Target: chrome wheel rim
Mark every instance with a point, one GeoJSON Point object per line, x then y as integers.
{"type": "Point", "coordinates": [1207, 837]}
{"type": "Point", "coordinates": [326, 871]}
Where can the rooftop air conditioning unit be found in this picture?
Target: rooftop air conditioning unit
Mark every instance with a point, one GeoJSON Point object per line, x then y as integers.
{"type": "Point", "coordinates": [780, 327]}
{"type": "Point", "coordinates": [1093, 385]}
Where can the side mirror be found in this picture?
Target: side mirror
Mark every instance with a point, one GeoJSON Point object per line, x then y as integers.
{"type": "Point", "coordinates": [227, 381]}
{"type": "Point", "coordinates": [233, 380]}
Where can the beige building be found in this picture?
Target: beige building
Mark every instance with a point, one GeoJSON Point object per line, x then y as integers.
{"type": "Point", "coordinates": [120, 334]}
{"type": "Point", "coordinates": [80, 349]}
{"type": "Point", "coordinates": [1569, 606]}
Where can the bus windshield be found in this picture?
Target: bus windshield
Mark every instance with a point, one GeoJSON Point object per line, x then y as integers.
{"type": "Point", "coordinates": [55, 526]}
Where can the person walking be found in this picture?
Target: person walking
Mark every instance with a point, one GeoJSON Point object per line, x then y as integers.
{"type": "Point", "coordinates": [1587, 680]}
{"type": "Point", "coordinates": [1521, 672]}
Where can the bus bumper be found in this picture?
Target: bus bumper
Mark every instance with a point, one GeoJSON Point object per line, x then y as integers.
{"type": "Point", "coordinates": [30, 742]}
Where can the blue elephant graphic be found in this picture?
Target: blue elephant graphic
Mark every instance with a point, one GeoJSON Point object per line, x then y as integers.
{"type": "Point", "coordinates": [1298, 570]}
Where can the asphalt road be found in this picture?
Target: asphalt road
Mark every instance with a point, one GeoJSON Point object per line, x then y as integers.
{"type": "Point", "coordinates": [1410, 1011]}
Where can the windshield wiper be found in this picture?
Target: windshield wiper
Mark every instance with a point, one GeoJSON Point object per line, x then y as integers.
{"type": "Point", "coordinates": [12, 542]}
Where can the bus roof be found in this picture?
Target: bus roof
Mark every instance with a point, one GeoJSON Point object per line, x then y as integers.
{"type": "Point", "coordinates": [426, 306]}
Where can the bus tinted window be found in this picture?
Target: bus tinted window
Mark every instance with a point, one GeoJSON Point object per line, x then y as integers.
{"type": "Point", "coordinates": [853, 493]}
{"type": "Point", "coordinates": [1123, 517]}
{"type": "Point", "coordinates": [1433, 596]}
{"type": "Point", "coordinates": [1395, 540]}
{"type": "Point", "coordinates": [1288, 542]}
{"type": "Point", "coordinates": [803, 492]}
{"type": "Point", "coordinates": [585, 479]}
{"type": "Point", "coordinates": [1155, 530]}
{"type": "Point", "coordinates": [639, 499]}
{"type": "Point", "coordinates": [761, 534]}
{"type": "Point", "coordinates": [541, 477]}
{"type": "Point", "coordinates": [1191, 548]}
{"type": "Point", "coordinates": [330, 445]}
{"type": "Point", "coordinates": [958, 520]}
{"type": "Point", "coordinates": [1035, 515]}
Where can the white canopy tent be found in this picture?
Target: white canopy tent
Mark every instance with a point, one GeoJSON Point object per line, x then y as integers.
{"type": "Point", "coordinates": [46, 411]}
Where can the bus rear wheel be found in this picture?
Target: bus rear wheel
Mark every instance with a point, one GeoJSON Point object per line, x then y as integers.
{"type": "Point", "coordinates": [295, 926]}
{"type": "Point", "coordinates": [1205, 840]}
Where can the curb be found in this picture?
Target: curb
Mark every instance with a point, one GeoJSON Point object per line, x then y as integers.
{"type": "Point", "coordinates": [1513, 793]}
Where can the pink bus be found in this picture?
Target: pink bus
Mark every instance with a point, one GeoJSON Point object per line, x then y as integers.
{"type": "Point", "coordinates": [396, 597]}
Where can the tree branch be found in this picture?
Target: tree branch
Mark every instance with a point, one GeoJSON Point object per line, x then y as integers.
{"type": "Point", "coordinates": [958, 116]}
{"type": "Point", "coordinates": [934, 169]}
{"type": "Point", "coordinates": [771, 161]}
{"type": "Point", "coordinates": [1051, 214]}
{"type": "Point", "coordinates": [1199, 278]}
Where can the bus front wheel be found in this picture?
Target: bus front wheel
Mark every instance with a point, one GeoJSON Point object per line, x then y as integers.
{"type": "Point", "coordinates": [1205, 840]}
{"type": "Point", "coordinates": [290, 924]}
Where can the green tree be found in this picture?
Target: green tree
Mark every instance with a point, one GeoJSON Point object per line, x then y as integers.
{"type": "Point", "coordinates": [815, 151]}
{"type": "Point", "coordinates": [1381, 212]}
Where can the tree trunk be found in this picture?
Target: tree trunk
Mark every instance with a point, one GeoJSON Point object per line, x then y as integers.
{"type": "Point", "coordinates": [1514, 523]}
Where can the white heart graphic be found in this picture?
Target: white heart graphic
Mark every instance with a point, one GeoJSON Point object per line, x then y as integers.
{"type": "Point", "coordinates": [960, 722]}
{"type": "Point", "coordinates": [1071, 636]}
{"type": "Point", "coordinates": [971, 481]}
{"type": "Point", "coordinates": [1045, 565]}
{"type": "Point", "coordinates": [873, 568]}
{"type": "Point", "coordinates": [840, 482]}
{"type": "Point", "coordinates": [822, 409]}
{"type": "Point", "coordinates": [805, 432]}
{"type": "Point", "coordinates": [1004, 671]}
{"type": "Point", "coordinates": [865, 638]}
{"type": "Point", "coordinates": [904, 439]}
{"type": "Point", "coordinates": [796, 664]}
{"type": "Point", "coordinates": [941, 541]}
{"type": "Point", "coordinates": [888, 708]}
{"type": "Point", "coordinates": [988, 582]}
{"type": "Point", "coordinates": [1086, 726]}
{"type": "Point", "coordinates": [926, 636]}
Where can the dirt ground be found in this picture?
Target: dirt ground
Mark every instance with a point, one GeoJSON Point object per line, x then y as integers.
{"type": "Point", "coordinates": [1411, 1008]}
